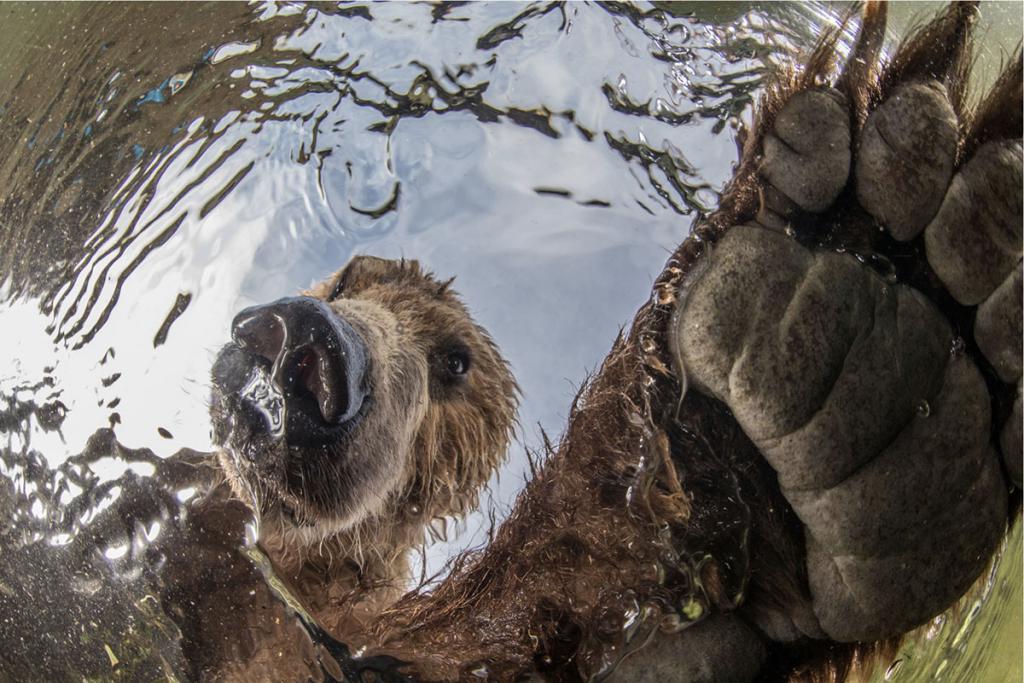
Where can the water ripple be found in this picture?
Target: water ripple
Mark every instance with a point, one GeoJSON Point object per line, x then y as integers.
{"type": "Point", "coordinates": [164, 167]}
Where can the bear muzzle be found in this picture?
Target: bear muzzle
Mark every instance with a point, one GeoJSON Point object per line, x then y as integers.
{"type": "Point", "coordinates": [298, 368]}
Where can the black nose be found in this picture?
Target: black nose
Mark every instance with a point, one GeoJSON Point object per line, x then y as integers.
{"type": "Point", "coordinates": [314, 354]}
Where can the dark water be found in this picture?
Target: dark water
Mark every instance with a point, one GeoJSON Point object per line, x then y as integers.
{"type": "Point", "coordinates": [162, 167]}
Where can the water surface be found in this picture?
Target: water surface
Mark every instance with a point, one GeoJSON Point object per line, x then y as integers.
{"type": "Point", "coordinates": [162, 167]}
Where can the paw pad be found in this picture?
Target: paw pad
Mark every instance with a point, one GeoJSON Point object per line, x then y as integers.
{"type": "Point", "coordinates": [857, 388]}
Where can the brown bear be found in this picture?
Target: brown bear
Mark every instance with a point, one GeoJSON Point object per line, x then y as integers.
{"type": "Point", "coordinates": [808, 443]}
{"type": "Point", "coordinates": [351, 417]}
{"type": "Point", "coordinates": [791, 459]}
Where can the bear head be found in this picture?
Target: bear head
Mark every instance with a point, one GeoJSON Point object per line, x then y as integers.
{"type": "Point", "coordinates": [374, 396]}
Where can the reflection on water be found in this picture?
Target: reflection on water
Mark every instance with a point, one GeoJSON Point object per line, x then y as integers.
{"type": "Point", "coordinates": [164, 167]}
{"type": "Point", "coordinates": [526, 149]}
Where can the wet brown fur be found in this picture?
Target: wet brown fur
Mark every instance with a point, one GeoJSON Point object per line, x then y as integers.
{"type": "Point", "coordinates": [347, 566]}
{"type": "Point", "coordinates": [611, 527]}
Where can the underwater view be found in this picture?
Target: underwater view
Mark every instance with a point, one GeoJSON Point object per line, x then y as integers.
{"type": "Point", "coordinates": [164, 166]}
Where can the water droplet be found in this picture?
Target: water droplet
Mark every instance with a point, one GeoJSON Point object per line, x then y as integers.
{"type": "Point", "coordinates": [884, 267]}
{"type": "Point", "coordinates": [266, 399]}
{"type": "Point", "coordinates": [630, 617]}
{"type": "Point", "coordinates": [252, 531]}
{"type": "Point", "coordinates": [957, 347]}
{"type": "Point", "coordinates": [790, 230]}
{"type": "Point", "coordinates": [923, 408]}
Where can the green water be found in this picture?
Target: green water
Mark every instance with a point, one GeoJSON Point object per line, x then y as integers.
{"type": "Point", "coordinates": [980, 639]}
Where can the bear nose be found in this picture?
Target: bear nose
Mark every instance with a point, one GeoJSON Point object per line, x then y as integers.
{"type": "Point", "coordinates": [314, 354]}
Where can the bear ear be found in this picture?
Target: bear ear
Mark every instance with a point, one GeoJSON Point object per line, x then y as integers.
{"type": "Point", "coordinates": [371, 267]}
{"type": "Point", "coordinates": [361, 272]}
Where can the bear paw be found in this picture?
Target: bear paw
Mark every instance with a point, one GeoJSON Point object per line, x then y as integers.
{"type": "Point", "coordinates": [863, 326]}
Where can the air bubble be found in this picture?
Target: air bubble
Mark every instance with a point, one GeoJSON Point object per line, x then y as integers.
{"type": "Point", "coordinates": [923, 408]}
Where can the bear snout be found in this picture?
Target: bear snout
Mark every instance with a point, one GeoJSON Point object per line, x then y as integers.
{"type": "Point", "coordinates": [314, 362]}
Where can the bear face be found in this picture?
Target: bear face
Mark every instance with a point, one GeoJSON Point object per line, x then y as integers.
{"type": "Point", "coordinates": [374, 398]}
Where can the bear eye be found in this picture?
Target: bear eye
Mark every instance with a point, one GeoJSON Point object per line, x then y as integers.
{"type": "Point", "coordinates": [339, 286]}
{"type": "Point", "coordinates": [456, 363]}
{"type": "Point", "coordinates": [449, 365]}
